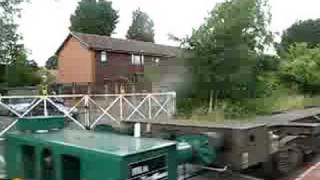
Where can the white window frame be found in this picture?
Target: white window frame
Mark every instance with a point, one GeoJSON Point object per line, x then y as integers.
{"type": "Point", "coordinates": [104, 56]}
{"type": "Point", "coordinates": [156, 60]}
{"type": "Point", "coordinates": [137, 59]}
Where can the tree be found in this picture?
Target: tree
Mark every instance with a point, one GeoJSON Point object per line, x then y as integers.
{"type": "Point", "coordinates": [94, 17]}
{"type": "Point", "coordinates": [22, 72]}
{"type": "Point", "coordinates": [224, 51]}
{"type": "Point", "coordinates": [33, 64]}
{"type": "Point", "coordinates": [301, 67]}
{"type": "Point", "coordinates": [307, 31]}
{"type": "Point", "coordinates": [9, 10]}
{"type": "Point", "coordinates": [52, 62]}
{"type": "Point", "coordinates": [141, 28]}
{"type": "Point", "coordinates": [18, 71]}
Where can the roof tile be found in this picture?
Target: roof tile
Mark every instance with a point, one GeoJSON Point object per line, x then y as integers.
{"type": "Point", "coordinates": [99, 42]}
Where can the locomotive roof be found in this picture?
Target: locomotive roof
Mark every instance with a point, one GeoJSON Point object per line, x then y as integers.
{"type": "Point", "coordinates": [110, 143]}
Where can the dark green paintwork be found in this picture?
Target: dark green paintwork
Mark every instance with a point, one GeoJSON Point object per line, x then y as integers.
{"type": "Point", "coordinates": [40, 123]}
{"type": "Point", "coordinates": [184, 152]}
{"type": "Point", "coordinates": [103, 156]}
{"type": "Point", "coordinates": [203, 152]}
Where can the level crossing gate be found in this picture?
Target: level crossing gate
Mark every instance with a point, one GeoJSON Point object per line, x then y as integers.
{"type": "Point", "coordinates": [89, 110]}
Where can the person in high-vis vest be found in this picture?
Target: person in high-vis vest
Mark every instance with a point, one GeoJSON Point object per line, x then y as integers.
{"type": "Point", "coordinates": [44, 86]}
{"type": "Point", "coordinates": [44, 89]}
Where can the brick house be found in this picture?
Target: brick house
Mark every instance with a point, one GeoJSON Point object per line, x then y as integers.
{"type": "Point", "coordinates": [109, 65]}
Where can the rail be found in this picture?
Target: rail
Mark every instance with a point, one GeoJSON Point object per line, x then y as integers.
{"type": "Point", "coordinates": [90, 109]}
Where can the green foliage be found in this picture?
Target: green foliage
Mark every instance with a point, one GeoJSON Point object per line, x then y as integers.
{"type": "Point", "coordinates": [267, 83]}
{"type": "Point", "coordinates": [94, 17]}
{"type": "Point", "coordinates": [301, 67]}
{"type": "Point", "coordinates": [302, 31]}
{"type": "Point", "coordinates": [9, 11]}
{"type": "Point", "coordinates": [225, 49]}
{"type": "Point", "coordinates": [227, 56]}
{"type": "Point", "coordinates": [21, 72]}
{"type": "Point", "coordinates": [2, 73]}
{"type": "Point", "coordinates": [50, 79]}
{"type": "Point", "coordinates": [16, 70]}
{"type": "Point", "coordinates": [187, 105]}
{"type": "Point", "coordinates": [52, 62]}
{"type": "Point", "coordinates": [141, 28]}
{"type": "Point", "coordinates": [268, 63]}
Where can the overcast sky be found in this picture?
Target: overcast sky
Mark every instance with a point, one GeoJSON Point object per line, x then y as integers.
{"type": "Point", "coordinates": [44, 23]}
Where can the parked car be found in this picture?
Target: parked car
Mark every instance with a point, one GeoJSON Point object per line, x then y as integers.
{"type": "Point", "coordinates": [22, 105]}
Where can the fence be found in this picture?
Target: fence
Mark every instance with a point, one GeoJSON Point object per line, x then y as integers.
{"type": "Point", "coordinates": [87, 111]}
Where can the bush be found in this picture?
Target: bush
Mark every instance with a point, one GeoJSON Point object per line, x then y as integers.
{"type": "Point", "coordinates": [301, 67]}
{"type": "Point", "coordinates": [185, 106]}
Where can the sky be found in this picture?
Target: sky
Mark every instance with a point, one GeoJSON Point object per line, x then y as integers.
{"type": "Point", "coordinates": [44, 23]}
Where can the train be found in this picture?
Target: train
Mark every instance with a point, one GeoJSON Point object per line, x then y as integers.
{"type": "Point", "coordinates": [44, 148]}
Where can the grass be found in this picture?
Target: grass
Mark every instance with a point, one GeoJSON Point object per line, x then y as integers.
{"type": "Point", "coordinates": [292, 102]}
{"type": "Point", "coordinates": [262, 106]}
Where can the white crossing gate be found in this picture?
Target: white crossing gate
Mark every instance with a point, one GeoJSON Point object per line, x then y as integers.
{"type": "Point", "coordinates": [88, 110]}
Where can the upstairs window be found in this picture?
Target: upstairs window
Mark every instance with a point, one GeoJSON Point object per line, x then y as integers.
{"type": "Point", "coordinates": [156, 60]}
{"type": "Point", "coordinates": [137, 59]}
{"type": "Point", "coordinates": [104, 57]}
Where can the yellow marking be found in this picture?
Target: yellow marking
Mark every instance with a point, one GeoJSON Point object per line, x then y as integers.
{"type": "Point", "coordinates": [17, 178]}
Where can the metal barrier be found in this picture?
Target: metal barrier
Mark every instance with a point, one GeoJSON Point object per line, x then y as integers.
{"type": "Point", "coordinates": [91, 109]}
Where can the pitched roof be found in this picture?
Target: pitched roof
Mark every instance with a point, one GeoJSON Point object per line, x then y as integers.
{"type": "Point", "coordinates": [98, 42]}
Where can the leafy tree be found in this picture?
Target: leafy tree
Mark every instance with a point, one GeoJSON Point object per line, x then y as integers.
{"type": "Point", "coordinates": [307, 31]}
{"type": "Point", "coordinates": [16, 70]}
{"type": "Point", "coordinates": [94, 17]}
{"type": "Point", "coordinates": [34, 65]}
{"type": "Point", "coordinates": [141, 28]}
{"type": "Point", "coordinates": [52, 62]}
{"type": "Point", "coordinates": [268, 63]}
{"type": "Point", "coordinates": [2, 73]}
{"type": "Point", "coordinates": [225, 50]}
{"type": "Point", "coordinates": [301, 67]}
{"type": "Point", "coordinates": [9, 10]}
{"type": "Point", "coordinates": [21, 71]}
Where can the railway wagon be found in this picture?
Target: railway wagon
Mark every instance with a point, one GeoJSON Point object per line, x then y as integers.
{"type": "Point", "coordinates": [272, 146]}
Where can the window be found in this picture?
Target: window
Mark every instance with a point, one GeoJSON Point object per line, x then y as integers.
{"type": "Point", "coordinates": [104, 57]}
{"type": "Point", "coordinates": [28, 161]}
{"type": "Point", "coordinates": [47, 165]}
{"type": "Point", "coordinates": [156, 60]}
{"type": "Point", "coordinates": [137, 59]}
{"type": "Point", "coordinates": [71, 168]}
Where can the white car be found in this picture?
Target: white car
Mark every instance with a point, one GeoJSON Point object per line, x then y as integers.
{"type": "Point", "coordinates": [22, 106]}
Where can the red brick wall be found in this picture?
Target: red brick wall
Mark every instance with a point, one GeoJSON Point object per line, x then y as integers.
{"type": "Point", "coordinates": [76, 63]}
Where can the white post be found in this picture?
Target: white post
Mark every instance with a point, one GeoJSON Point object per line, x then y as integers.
{"type": "Point", "coordinates": [87, 111]}
{"type": "Point", "coordinates": [121, 107]}
{"type": "Point", "coordinates": [150, 107]}
{"type": "Point", "coordinates": [137, 130]}
{"type": "Point", "coordinates": [45, 109]}
{"type": "Point", "coordinates": [150, 114]}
